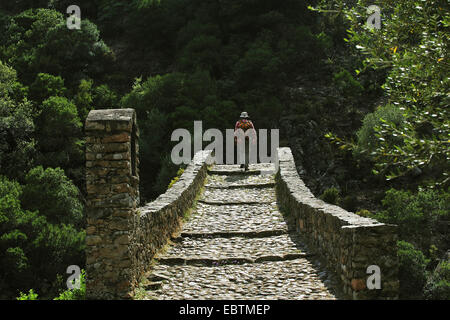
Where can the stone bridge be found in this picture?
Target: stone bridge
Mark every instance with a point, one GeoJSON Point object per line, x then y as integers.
{"type": "Point", "coordinates": [222, 233]}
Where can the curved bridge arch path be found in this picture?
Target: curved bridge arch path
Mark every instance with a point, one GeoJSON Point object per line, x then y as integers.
{"type": "Point", "coordinates": [236, 244]}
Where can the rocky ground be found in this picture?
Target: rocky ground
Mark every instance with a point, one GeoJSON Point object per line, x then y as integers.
{"type": "Point", "coordinates": [236, 244]}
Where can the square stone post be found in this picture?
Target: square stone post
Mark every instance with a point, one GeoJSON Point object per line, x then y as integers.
{"type": "Point", "coordinates": [112, 183]}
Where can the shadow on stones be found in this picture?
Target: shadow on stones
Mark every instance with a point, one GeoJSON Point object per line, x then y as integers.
{"type": "Point", "coordinates": [328, 277]}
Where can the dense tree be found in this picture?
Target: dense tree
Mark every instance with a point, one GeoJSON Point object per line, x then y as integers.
{"type": "Point", "coordinates": [17, 144]}
{"type": "Point", "coordinates": [58, 134]}
{"type": "Point", "coordinates": [46, 85]}
{"type": "Point", "coordinates": [28, 243]}
{"type": "Point", "coordinates": [291, 68]}
{"type": "Point", "coordinates": [54, 195]}
{"type": "Point", "coordinates": [12, 217]}
{"type": "Point", "coordinates": [412, 46]}
{"type": "Point", "coordinates": [38, 41]}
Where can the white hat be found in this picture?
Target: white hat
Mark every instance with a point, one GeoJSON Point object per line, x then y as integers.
{"type": "Point", "coordinates": [244, 115]}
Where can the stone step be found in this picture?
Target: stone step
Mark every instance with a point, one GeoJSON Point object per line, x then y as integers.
{"type": "Point", "coordinates": [254, 169]}
{"type": "Point", "coordinates": [296, 279]}
{"type": "Point", "coordinates": [239, 196]}
{"type": "Point", "coordinates": [239, 186]}
{"type": "Point", "coordinates": [230, 234]}
{"type": "Point", "coordinates": [207, 261]}
{"type": "Point", "coordinates": [240, 172]}
{"type": "Point", "coordinates": [224, 203]}
{"type": "Point", "coordinates": [223, 181]}
{"type": "Point", "coordinates": [238, 219]}
{"type": "Point", "coordinates": [235, 248]}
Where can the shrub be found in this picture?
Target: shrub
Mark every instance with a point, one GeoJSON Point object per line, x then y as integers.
{"type": "Point", "coordinates": [45, 86]}
{"type": "Point", "coordinates": [17, 145]}
{"type": "Point", "coordinates": [58, 130]}
{"type": "Point", "coordinates": [177, 177]}
{"type": "Point", "coordinates": [349, 203]}
{"type": "Point", "coordinates": [69, 294]}
{"type": "Point", "coordinates": [411, 49]}
{"type": "Point", "coordinates": [364, 213]}
{"type": "Point", "coordinates": [54, 195]}
{"type": "Point", "coordinates": [75, 294]}
{"type": "Point", "coordinates": [347, 84]}
{"type": "Point", "coordinates": [331, 195]}
{"type": "Point", "coordinates": [412, 270]}
{"type": "Point", "coordinates": [38, 40]}
{"type": "Point", "coordinates": [28, 242]}
{"type": "Point", "coordinates": [104, 97]}
{"type": "Point", "coordinates": [13, 261]}
{"type": "Point", "coordinates": [83, 99]}
{"type": "Point", "coordinates": [367, 141]}
{"type": "Point", "coordinates": [416, 214]}
{"type": "Point", "coordinates": [30, 296]}
{"type": "Point", "coordinates": [438, 285]}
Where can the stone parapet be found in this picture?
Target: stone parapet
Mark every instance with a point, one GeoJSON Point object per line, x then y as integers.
{"type": "Point", "coordinates": [121, 237]}
{"type": "Point", "coordinates": [158, 220]}
{"type": "Point", "coordinates": [348, 242]}
{"type": "Point", "coordinates": [112, 184]}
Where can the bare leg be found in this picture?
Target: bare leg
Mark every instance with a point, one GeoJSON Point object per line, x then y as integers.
{"type": "Point", "coordinates": [247, 154]}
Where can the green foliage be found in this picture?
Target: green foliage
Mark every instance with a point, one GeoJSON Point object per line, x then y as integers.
{"type": "Point", "coordinates": [104, 97]}
{"type": "Point", "coordinates": [69, 294]}
{"type": "Point", "coordinates": [438, 284]}
{"type": "Point", "coordinates": [260, 64]}
{"type": "Point", "coordinates": [348, 85]}
{"type": "Point", "coordinates": [83, 99]}
{"type": "Point", "coordinates": [9, 85]}
{"type": "Point", "coordinates": [417, 215]}
{"type": "Point", "coordinates": [412, 47]}
{"type": "Point", "coordinates": [364, 213]}
{"type": "Point", "coordinates": [45, 86]}
{"type": "Point", "coordinates": [54, 195]}
{"type": "Point", "coordinates": [38, 41]}
{"type": "Point", "coordinates": [176, 178]}
{"type": "Point", "coordinates": [28, 242]}
{"type": "Point", "coordinates": [31, 295]}
{"type": "Point", "coordinates": [202, 52]}
{"type": "Point", "coordinates": [17, 144]}
{"type": "Point", "coordinates": [412, 270]}
{"type": "Point", "coordinates": [165, 103]}
{"type": "Point", "coordinates": [75, 294]}
{"type": "Point", "coordinates": [12, 257]}
{"type": "Point", "coordinates": [349, 203]}
{"type": "Point", "coordinates": [330, 195]}
{"type": "Point", "coordinates": [210, 60]}
{"type": "Point", "coordinates": [62, 244]}
{"type": "Point", "coordinates": [58, 133]}
{"type": "Point", "coordinates": [367, 141]}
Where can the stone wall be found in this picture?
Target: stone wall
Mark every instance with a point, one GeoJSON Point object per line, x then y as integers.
{"type": "Point", "coordinates": [347, 242]}
{"type": "Point", "coordinates": [112, 180]}
{"type": "Point", "coordinates": [155, 222]}
{"type": "Point", "coordinates": [121, 239]}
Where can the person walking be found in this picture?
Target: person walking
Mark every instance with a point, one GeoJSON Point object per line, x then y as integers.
{"type": "Point", "coordinates": [245, 124]}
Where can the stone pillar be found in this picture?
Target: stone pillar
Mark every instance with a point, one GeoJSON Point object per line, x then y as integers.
{"type": "Point", "coordinates": [112, 183]}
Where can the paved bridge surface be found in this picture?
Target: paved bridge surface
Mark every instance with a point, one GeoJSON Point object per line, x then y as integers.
{"type": "Point", "coordinates": [236, 244]}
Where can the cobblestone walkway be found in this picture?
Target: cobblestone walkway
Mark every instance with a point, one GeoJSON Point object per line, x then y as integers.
{"type": "Point", "coordinates": [236, 245]}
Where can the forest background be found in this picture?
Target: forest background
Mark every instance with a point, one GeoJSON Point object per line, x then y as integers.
{"type": "Point", "coordinates": [365, 112]}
